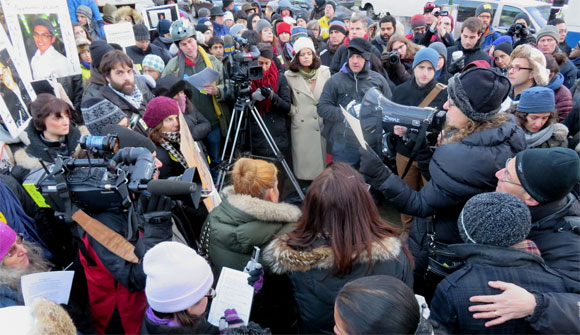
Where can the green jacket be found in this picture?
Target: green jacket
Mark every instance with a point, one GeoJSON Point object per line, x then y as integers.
{"type": "Point", "coordinates": [203, 102]}
{"type": "Point", "coordinates": [241, 222]}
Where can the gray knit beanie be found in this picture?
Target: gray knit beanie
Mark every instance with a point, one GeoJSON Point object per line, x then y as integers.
{"type": "Point", "coordinates": [549, 30]}
{"type": "Point", "coordinates": [263, 24]}
{"type": "Point", "coordinates": [498, 219]}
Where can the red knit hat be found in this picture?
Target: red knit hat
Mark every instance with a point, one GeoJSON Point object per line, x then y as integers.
{"type": "Point", "coordinates": [7, 239]}
{"type": "Point", "coordinates": [284, 27]}
{"type": "Point", "coordinates": [158, 109]}
{"type": "Point", "coordinates": [418, 20]}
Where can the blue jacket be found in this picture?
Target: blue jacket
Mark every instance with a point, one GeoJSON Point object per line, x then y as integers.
{"type": "Point", "coordinates": [9, 297]}
{"type": "Point", "coordinates": [488, 38]}
{"type": "Point", "coordinates": [220, 29]}
{"type": "Point", "coordinates": [570, 73]}
{"type": "Point", "coordinates": [486, 263]}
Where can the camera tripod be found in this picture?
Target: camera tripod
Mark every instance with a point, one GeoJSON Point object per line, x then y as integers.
{"type": "Point", "coordinates": [242, 108]}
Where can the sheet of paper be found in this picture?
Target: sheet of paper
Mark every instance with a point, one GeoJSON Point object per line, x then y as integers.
{"type": "Point", "coordinates": [120, 33]}
{"type": "Point", "coordinates": [54, 286]}
{"type": "Point", "coordinates": [232, 291]}
{"type": "Point", "coordinates": [354, 124]}
{"type": "Point", "coordinates": [205, 76]}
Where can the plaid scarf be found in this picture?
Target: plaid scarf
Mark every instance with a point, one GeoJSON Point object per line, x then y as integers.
{"type": "Point", "coordinates": [135, 98]}
{"type": "Point", "coordinates": [527, 246]}
{"type": "Point", "coordinates": [168, 144]}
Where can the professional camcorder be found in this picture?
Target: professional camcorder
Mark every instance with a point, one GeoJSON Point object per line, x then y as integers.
{"type": "Point", "coordinates": [244, 67]}
{"type": "Point", "coordinates": [106, 184]}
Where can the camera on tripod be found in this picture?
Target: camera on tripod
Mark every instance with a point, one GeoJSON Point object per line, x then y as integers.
{"type": "Point", "coordinates": [244, 67]}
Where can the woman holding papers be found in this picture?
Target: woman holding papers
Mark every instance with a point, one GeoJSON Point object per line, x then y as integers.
{"type": "Point", "coordinates": [339, 238]}
{"type": "Point", "coordinates": [17, 258]}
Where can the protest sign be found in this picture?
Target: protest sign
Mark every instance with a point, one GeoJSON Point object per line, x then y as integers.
{"type": "Point", "coordinates": [15, 92]}
{"type": "Point", "coordinates": [152, 15]}
{"type": "Point", "coordinates": [120, 33]}
{"type": "Point", "coordinates": [42, 31]}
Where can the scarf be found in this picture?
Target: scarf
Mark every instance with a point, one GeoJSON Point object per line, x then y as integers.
{"type": "Point", "coordinates": [85, 65]}
{"type": "Point", "coordinates": [135, 98]}
{"type": "Point", "coordinates": [537, 139]}
{"type": "Point", "coordinates": [528, 246]}
{"type": "Point", "coordinates": [307, 75]}
{"type": "Point", "coordinates": [269, 80]}
{"type": "Point", "coordinates": [173, 138]}
{"type": "Point", "coordinates": [189, 62]}
{"type": "Point", "coordinates": [159, 321]}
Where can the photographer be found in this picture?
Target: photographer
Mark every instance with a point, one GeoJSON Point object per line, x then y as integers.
{"type": "Point", "coordinates": [520, 31]}
{"type": "Point", "coordinates": [476, 143]}
{"type": "Point", "coordinates": [440, 31]}
{"type": "Point", "coordinates": [399, 66]}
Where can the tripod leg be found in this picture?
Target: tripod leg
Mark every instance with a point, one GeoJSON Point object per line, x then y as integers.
{"type": "Point", "coordinates": [276, 150]}
{"type": "Point", "coordinates": [239, 111]}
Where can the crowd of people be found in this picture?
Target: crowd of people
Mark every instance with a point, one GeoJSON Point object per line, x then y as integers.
{"type": "Point", "coordinates": [489, 234]}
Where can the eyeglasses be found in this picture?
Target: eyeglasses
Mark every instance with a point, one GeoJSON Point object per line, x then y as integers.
{"type": "Point", "coordinates": [211, 294]}
{"type": "Point", "coordinates": [18, 241]}
{"type": "Point", "coordinates": [517, 68]}
{"type": "Point", "coordinates": [43, 35]}
{"type": "Point", "coordinates": [506, 172]}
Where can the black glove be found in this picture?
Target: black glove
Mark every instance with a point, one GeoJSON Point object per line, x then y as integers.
{"type": "Point", "coordinates": [157, 209]}
{"type": "Point", "coordinates": [266, 92]}
{"type": "Point", "coordinates": [457, 66]}
{"type": "Point", "coordinates": [372, 166]}
{"type": "Point", "coordinates": [512, 30]}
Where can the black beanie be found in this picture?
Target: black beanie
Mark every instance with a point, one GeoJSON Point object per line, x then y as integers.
{"type": "Point", "coordinates": [548, 174]}
{"type": "Point", "coordinates": [360, 46]}
{"type": "Point", "coordinates": [202, 28]}
{"type": "Point", "coordinates": [98, 49]}
{"type": "Point", "coordinates": [320, 3]}
{"type": "Point", "coordinates": [524, 16]}
{"type": "Point", "coordinates": [505, 47]}
{"type": "Point", "coordinates": [332, 3]}
{"type": "Point", "coordinates": [479, 92]}
{"type": "Point", "coordinates": [170, 85]}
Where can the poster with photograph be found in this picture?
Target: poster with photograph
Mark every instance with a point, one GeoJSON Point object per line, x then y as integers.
{"type": "Point", "coordinates": [15, 92]}
{"type": "Point", "coordinates": [152, 15]}
{"type": "Point", "coordinates": [41, 31]}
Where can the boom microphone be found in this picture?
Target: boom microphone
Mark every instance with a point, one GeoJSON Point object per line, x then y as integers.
{"type": "Point", "coordinates": [170, 187]}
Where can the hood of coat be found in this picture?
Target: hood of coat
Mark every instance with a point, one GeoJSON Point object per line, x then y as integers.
{"type": "Point", "coordinates": [556, 82]}
{"type": "Point", "coordinates": [493, 255]}
{"type": "Point", "coordinates": [262, 210]}
{"type": "Point", "coordinates": [508, 133]}
{"type": "Point", "coordinates": [281, 258]}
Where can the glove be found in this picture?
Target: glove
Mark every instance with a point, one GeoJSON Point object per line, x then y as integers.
{"type": "Point", "coordinates": [457, 66]}
{"type": "Point", "coordinates": [157, 209]}
{"type": "Point", "coordinates": [372, 166]}
{"type": "Point", "coordinates": [266, 92]}
{"type": "Point", "coordinates": [256, 278]}
{"type": "Point", "coordinates": [257, 95]}
{"type": "Point", "coordinates": [230, 320]}
{"type": "Point", "coordinates": [512, 30]}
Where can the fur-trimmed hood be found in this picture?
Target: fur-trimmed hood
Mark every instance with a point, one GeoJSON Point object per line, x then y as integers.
{"type": "Point", "coordinates": [128, 11]}
{"type": "Point", "coordinates": [560, 132]}
{"type": "Point", "coordinates": [262, 210]}
{"type": "Point", "coordinates": [280, 258]}
{"type": "Point", "coordinates": [42, 317]}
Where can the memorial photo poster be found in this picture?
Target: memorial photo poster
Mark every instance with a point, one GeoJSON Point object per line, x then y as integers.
{"type": "Point", "coordinates": [42, 31]}
{"type": "Point", "coordinates": [15, 92]}
{"type": "Point", "coordinates": [152, 15]}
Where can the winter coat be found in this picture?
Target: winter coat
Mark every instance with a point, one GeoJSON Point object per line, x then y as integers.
{"type": "Point", "coordinates": [29, 156]}
{"type": "Point", "coordinates": [73, 87]}
{"type": "Point", "coordinates": [203, 327]}
{"type": "Point", "coordinates": [326, 54]}
{"type": "Point", "coordinates": [163, 45]}
{"type": "Point", "coordinates": [562, 95]}
{"type": "Point", "coordinates": [343, 89]}
{"type": "Point", "coordinates": [570, 73]}
{"type": "Point", "coordinates": [10, 297]}
{"type": "Point", "coordinates": [308, 145]}
{"type": "Point", "coordinates": [137, 54]}
{"type": "Point", "coordinates": [203, 102]}
{"type": "Point", "coordinates": [433, 36]}
{"type": "Point", "coordinates": [379, 43]}
{"type": "Point", "coordinates": [554, 236]}
{"type": "Point", "coordinates": [459, 170]}
{"type": "Point", "coordinates": [401, 72]}
{"type": "Point", "coordinates": [483, 264]}
{"type": "Point", "coordinates": [341, 57]}
{"type": "Point", "coordinates": [241, 222]}
{"type": "Point", "coordinates": [488, 37]}
{"type": "Point", "coordinates": [171, 166]}
{"type": "Point", "coordinates": [471, 55]}
{"type": "Point", "coordinates": [98, 88]}
{"type": "Point", "coordinates": [555, 313]}
{"type": "Point", "coordinates": [314, 280]}
{"type": "Point", "coordinates": [559, 137]}
{"type": "Point", "coordinates": [317, 13]}
{"type": "Point", "coordinates": [276, 120]}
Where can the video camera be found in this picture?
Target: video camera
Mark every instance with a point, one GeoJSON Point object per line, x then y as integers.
{"type": "Point", "coordinates": [244, 67]}
{"type": "Point", "coordinates": [417, 120]}
{"type": "Point", "coordinates": [106, 184]}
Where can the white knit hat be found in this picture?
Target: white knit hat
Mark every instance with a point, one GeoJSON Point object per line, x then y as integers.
{"type": "Point", "coordinates": [303, 43]}
{"type": "Point", "coordinates": [177, 277]}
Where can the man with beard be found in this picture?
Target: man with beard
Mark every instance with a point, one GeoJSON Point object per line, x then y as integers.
{"type": "Point", "coordinates": [337, 33]}
{"type": "Point", "coordinates": [388, 27]}
{"type": "Point", "coordinates": [469, 47]}
{"type": "Point", "coordinates": [120, 89]}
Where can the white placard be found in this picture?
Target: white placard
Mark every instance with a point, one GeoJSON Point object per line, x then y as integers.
{"type": "Point", "coordinates": [42, 35]}
{"type": "Point", "coordinates": [152, 15]}
{"type": "Point", "coordinates": [120, 33]}
{"type": "Point", "coordinates": [232, 291]}
{"type": "Point", "coordinates": [15, 92]}
{"type": "Point", "coordinates": [54, 286]}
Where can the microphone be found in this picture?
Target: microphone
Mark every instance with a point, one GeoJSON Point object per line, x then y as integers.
{"type": "Point", "coordinates": [229, 46]}
{"type": "Point", "coordinates": [171, 187]}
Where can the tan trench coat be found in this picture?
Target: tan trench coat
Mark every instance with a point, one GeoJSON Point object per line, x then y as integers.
{"type": "Point", "coordinates": [308, 145]}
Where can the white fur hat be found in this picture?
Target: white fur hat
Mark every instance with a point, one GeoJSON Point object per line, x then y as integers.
{"type": "Point", "coordinates": [537, 61]}
{"type": "Point", "coordinates": [177, 277]}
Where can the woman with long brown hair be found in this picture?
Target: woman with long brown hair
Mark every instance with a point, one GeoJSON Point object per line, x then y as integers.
{"type": "Point", "coordinates": [401, 71]}
{"type": "Point", "coordinates": [339, 238]}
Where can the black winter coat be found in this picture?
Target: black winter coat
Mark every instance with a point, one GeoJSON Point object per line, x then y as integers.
{"type": "Point", "coordinates": [326, 54]}
{"type": "Point", "coordinates": [557, 242]}
{"type": "Point", "coordinates": [485, 263]}
{"type": "Point", "coordinates": [471, 55]}
{"type": "Point", "coordinates": [277, 120]}
{"type": "Point", "coordinates": [556, 313]}
{"type": "Point", "coordinates": [459, 170]}
{"type": "Point", "coordinates": [341, 57]}
{"type": "Point", "coordinates": [315, 284]}
{"type": "Point", "coordinates": [171, 167]}
{"type": "Point", "coordinates": [570, 73]}
{"type": "Point", "coordinates": [103, 91]}
{"type": "Point", "coordinates": [137, 54]}
{"type": "Point", "coordinates": [340, 90]}
{"type": "Point", "coordinates": [203, 327]}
